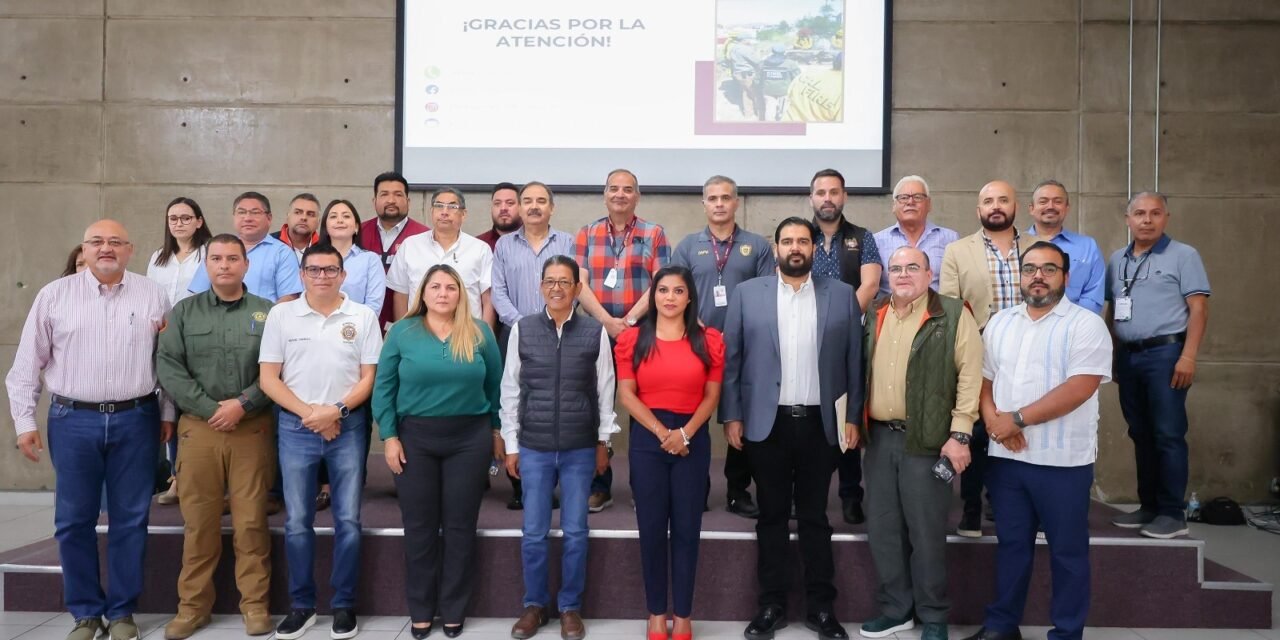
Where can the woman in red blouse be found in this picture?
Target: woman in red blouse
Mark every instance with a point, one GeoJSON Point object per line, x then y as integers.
{"type": "Point", "coordinates": [669, 374]}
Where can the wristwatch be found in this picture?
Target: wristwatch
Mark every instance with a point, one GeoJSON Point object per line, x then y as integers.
{"type": "Point", "coordinates": [961, 437]}
{"type": "Point", "coordinates": [1017, 419]}
{"type": "Point", "coordinates": [244, 401]}
{"type": "Point", "coordinates": [342, 409]}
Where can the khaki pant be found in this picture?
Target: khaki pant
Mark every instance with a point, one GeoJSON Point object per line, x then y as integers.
{"type": "Point", "coordinates": [212, 465]}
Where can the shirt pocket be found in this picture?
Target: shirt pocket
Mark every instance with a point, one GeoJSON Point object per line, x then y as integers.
{"type": "Point", "coordinates": [198, 337]}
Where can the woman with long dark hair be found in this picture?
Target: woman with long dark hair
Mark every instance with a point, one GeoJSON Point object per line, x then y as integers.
{"type": "Point", "coordinates": [670, 369]}
{"type": "Point", "coordinates": [436, 402]}
{"type": "Point", "coordinates": [366, 282]}
{"type": "Point", "coordinates": [182, 254]}
{"type": "Point", "coordinates": [75, 262]}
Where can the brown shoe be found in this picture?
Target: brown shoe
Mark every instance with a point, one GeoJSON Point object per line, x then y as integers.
{"type": "Point", "coordinates": [274, 505]}
{"type": "Point", "coordinates": [599, 501]}
{"type": "Point", "coordinates": [571, 627]}
{"type": "Point", "coordinates": [184, 625]}
{"type": "Point", "coordinates": [258, 623]}
{"type": "Point", "coordinates": [530, 621]}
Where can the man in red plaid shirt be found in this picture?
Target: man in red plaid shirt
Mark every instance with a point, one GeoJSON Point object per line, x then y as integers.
{"type": "Point", "coordinates": [619, 253]}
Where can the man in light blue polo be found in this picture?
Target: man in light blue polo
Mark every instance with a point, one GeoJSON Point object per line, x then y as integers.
{"type": "Point", "coordinates": [273, 266]}
{"type": "Point", "coordinates": [911, 206]}
{"type": "Point", "coordinates": [1050, 205]}
{"type": "Point", "coordinates": [1159, 295]}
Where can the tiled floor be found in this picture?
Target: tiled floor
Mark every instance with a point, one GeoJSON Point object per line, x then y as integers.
{"type": "Point", "coordinates": [25, 518]}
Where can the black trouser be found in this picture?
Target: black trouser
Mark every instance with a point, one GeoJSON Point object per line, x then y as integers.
{"type": "Point", "coordinates": [850, 468]}
{"type": "Point", "coordinates": [737, 472]}
{"type": "Point", "coordinates": [971, 481]}
{"type": "Point", "coordinates": [794, 462]}
{"type": "Point", "coordinates": [447, 462]}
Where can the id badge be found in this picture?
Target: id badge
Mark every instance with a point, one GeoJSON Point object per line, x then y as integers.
{"type": "Point", "coordinates": [389, 258]}
{"type": "Point", "coordinates": [611, 279]}
{"type": "Point", "coordinates": [721, 295]}
{"type": "Point", "coordinates": [1124, 309]}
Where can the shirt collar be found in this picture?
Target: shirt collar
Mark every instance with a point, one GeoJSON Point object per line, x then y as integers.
{"type": "Point", "coordinates": [519, 233]}
{"type": "Point", "coordinates": [304, 308]}
{"type": "Point", "coordinates": [214, 300]}
{"type": "Point", "coordinates": [705, 234]}
{"type": "Point", "coordinates": [97, 285]}
{"type": "Point", "coordinates": [572, 309]}
{"type": "Point", "coordinates": [1064, 305]}
{"type": "Point", "coordinates": [1064, 233]}
{"type": "Point", "coordinates": [395, 231]}
{"type": "Point", "coordinates": [929, 228]}
{"type": "Point", "coordinates": [808, 284]}
{"type": "Point", "coordinates": [1159, 246]}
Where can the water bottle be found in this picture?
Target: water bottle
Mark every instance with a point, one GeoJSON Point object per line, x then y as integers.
{"type": "Point", "coordinates": [1193, 508]}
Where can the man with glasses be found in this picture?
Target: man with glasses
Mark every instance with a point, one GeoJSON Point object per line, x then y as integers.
{"type": "Point", "coordinates": [1044, 359]}
{"type": "Point", "coordinates": [1159, 294]}
{"type": "Point", "coordinates": [318, 358]}
{"type": "Point", "coordinates": [273, 266]}
{"type": "Point", "coordinates": [301, 225]}
{"type": "Point", "coordinates": [91, 337]}
{"type": "Point", "coordinates": [924, 357]}
{"type": "Point", "coordinates": [445, 243]}
{"type": "Point", "coordinates": [557, 418]}
{"type": "Point", "coordinates": [1050, 205]}
{"type": "Point", "coordinates": [982, 270]}
{"type": "Point", "coordinates": [207, 361]}
{"type": "Point", "coordinates": [911, 206]}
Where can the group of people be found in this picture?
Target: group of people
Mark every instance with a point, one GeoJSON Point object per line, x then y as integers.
{"type": "Point", "coordinates": [907, 356]}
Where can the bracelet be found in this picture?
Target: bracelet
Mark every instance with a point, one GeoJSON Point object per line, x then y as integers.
{"type": "Point", "coordinates": [1186, 358]}
{"type": "Point", "coordinates": [684, 436]}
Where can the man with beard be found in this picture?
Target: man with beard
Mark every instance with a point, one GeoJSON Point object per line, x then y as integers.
{"type": "Point", "coordinates": [390, 229]}
{"type": "Point", "coordinates": [1050, 205]}
{"type": "Point", "coordinates": [1043, 443]}
{"type": "Point", "coordinates": [505, 212]}
{"type": "Point", "coordinates": [982, 270]}
{"type": "Point", "coordinates": [847, 252]}
{"type": "Point", "coordinates": [793, 345]}
{"type": "Point", "coordinates": [300, 226]}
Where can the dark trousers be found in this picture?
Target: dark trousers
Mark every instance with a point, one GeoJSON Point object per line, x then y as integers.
{"type": "Point", "coordinates": [1157, 417]}
{"type": "Point", "coordinates": [794, 462]}
{"type": "Point", "coordinates": [669, 494]}
{"type": "Point", "coordinates": [737, 472]}
{"type": "Point", "coordinates": [1027, 496]}
{"type": "Point", "coordinates": [907, 528]}
{"type": "Point", "coordinates": [440, 490]}
{"type": "Point", "coordinates": [850, 474]}
{"type": "Point", "coordinates": [971, 481]}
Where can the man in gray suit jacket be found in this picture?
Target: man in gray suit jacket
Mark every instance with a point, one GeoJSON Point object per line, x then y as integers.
{"type": "Point", "coordinates": [793, 345]}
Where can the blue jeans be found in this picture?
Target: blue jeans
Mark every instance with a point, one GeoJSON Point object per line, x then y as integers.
{"type": "Point", "coordinates": [539, 472]}
{"type": "Point", "coordinates": [91, 451]}
{"type": "Point", "coordinates": [1157, 417]}
{"type": "Point", "coordinates": [1026, 496]}
{"type": "Point", "coordinates": [301, 451]}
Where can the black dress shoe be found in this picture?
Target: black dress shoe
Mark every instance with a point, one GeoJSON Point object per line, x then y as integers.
{"type": "Point", "coordinates": [852, 512]}
{"type": "Point", "coordinates": [515, 504]}
{"type": "Point", "coordinates": [826, 626]}
{"type": "Point", "coordinates": [743, 506]}
{"type": "Point", "coordinates": [419, 633]}
{"type": "Point", "coordinates": [452, 632]}
{"type": "Point", "coordinates": [768, 620]}
{"type": "Point", "coordinates": [984, 634]}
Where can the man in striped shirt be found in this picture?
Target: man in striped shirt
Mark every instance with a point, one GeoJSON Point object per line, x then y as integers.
{"type": "Point", "coordinates": [1043, 362]}
{"type": "Point", "coordinates": [92, 335]}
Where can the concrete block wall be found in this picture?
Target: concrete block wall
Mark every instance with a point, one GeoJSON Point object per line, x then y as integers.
{"type": "Point", "coordinates": [113, 107]}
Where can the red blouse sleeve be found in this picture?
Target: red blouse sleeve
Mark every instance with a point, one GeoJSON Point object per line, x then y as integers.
{"type": "Point", "coordinates": [715, 348]}
{"type": "Point", "coordinates": [624, 351]}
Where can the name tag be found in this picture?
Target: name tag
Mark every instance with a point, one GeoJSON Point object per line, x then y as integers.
{"type": "Point", "coordinates": [721, 295]}
{"type": "Point", "coordinates": [611, 279]}
{"type": "Point", "coordinates": [388, 259]}
{"type": "Point", "coordinates": [1123, 309]}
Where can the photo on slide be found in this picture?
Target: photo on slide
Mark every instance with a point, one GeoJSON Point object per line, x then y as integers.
{"type": "Point", "coordinates": [779, 61]}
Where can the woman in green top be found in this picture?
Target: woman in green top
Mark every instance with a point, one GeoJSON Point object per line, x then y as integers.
{"type": "Point", "coordinates": [436, 402]}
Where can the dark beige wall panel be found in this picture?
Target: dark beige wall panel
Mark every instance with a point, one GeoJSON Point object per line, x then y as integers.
{"type": "Point", "coordinates": [83, 8]}
{"type": "Point", "coordinates": [54, 218]}
{"type": "Point", "coordinates": [1104, 164]}
{"type": "Point", "coordinates": [1104, 73]}
{"type": "Point", "coordinates": [272, 61]}
{"type": "Point", "coordinates": [254, 8]}
{"type": "Point", "coordinates": [959, 151]}
{"type": "Point", "coordinates": [1203, 70]}
{"type": "Point", "coordinates": [51, 143]}
{"type": "Point", "coordinates": [993, 10]}
{"type": "Point", "coordinates": [51, 60]}
{"type": "Point", "coordinates": [247, 146]}
{"type": "Point", "coordinates": [984, 66]}
{"type": "Point", "coordinates": [1227, 153]}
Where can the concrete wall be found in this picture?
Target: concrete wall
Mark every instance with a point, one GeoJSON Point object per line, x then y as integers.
{"type": "Point", "coordinates": [113, 107]}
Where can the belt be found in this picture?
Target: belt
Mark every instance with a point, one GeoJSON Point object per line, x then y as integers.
{"type": "Point", "coordinates": [105, 407]}
{"type": "Point", "coordinates": [892, 425]}
{"type": "Point", "coordinates": [1158, 341]}
{"type": "Point", "coordinates": [799, 410]}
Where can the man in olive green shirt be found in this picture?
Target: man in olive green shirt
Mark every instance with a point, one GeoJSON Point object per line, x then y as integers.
{"type": "Point", "coordinates": [207, 360]}
{"type": "Point", "coordinates": [925, 375]}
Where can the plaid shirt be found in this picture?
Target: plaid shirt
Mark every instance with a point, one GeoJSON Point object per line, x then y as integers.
{"type": "Point", "coordinates": [643, 250]}
{"type": "Point", "coordinates": [1006, 277]}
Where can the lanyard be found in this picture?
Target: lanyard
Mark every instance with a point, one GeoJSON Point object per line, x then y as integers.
{"type": "Point", "coordinates": [721, 261]}
{"type": "Point", "coordinates": [622, 245]}
{"type": "Point", "coordinates": [1128, 282]}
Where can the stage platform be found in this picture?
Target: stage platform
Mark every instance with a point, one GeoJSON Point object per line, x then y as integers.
{"type": "Point", "coordinates": [1137, 581]}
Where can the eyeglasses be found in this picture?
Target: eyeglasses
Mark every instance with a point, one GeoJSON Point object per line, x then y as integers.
{"type": "Point", "coordinates": [904, 198]}
{"type": "Point", "coordinates": [557, 284]}
{"type": "Point", "coordinates": [181, 219]}
{"type": "Point", "coordinates": [322, 272]}
{"type": "Point", "coordinates": [451, 206]}
{"type": "Point", "coordinates": [898, 269]}
{"type": "Point", "coordinates": [241, 213]}
{"type": "Point", "coordinates": [1049, 269]}
{"type": "Point", "coordinates": [114, 243]}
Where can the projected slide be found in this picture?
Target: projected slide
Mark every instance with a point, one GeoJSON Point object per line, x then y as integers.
{"type": "Point", "coordinates": [562, 91]}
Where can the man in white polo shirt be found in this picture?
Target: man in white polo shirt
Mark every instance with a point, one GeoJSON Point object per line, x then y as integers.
{"type": "Point", "coordinates": [318, 358]}
{"type": "Point", "coordinates": [445, 243]}
{"type": "Point", "coordinates": [1044, 360]}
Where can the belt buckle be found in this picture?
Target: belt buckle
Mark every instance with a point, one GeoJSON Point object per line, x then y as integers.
{"type": "Point", "coordinates": [107, 407]}
{"type": "Point", "coordinates": [797, 411]}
